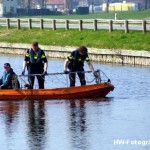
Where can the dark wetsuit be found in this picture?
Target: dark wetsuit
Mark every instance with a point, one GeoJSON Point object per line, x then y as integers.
{"type": "Point", "coordinates": [35, 65]}
{"type": "Point", "coordinates": [76, 64]}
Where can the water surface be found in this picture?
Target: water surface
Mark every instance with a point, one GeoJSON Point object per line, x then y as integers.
{"type": "Point", "coordinates": [80, 124]}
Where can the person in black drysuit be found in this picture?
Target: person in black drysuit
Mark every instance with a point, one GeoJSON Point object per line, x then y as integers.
{"type": "Point", "coordinates": [9, 79]}
{"type": "Point", "coordinates": [36, 63]}
{"type": "Point", "coordinates": [75, 63]}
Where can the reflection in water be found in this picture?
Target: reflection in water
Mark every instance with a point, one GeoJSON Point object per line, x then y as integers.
{"type": "Point", "coordinates": [79, 128]}
{"type": "Point", "coordinates": [10, 111]}
{"type": "Point", "coordinates": [36, 125]}
{"type": "Point", "coordinates": [78, 125]}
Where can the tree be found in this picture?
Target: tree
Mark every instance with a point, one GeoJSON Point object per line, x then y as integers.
{"type": "Point", "coordinates": [42, 3]}
{"type": "Point", "coordinates": [146, 4]}
{"type": "Point", "coordinates": [68, 5]}
{"type": "Point", "coordinates": [24, 3]}
{"type": "Point", "coordinates": [107, 6]}
{"type": "Point", "coordinates": [91, 2]}
{"type": "Point", "coordinates": [29, 4]}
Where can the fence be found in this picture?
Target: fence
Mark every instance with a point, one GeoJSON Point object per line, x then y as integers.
{"type": "Point", "coordinates": [94, 24]}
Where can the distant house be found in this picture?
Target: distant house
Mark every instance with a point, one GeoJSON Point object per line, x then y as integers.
{"type": "Point", "coordinates": [62, 5]}
{"type": "Point", "coordinates": [55, 4]}
{"type": "Point", "coordinates": [142, 3]}
{"type": "Point", "coordinates": [8, 7]}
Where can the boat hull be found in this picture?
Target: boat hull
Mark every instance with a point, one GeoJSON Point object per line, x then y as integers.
{"type": "Point", "coordinates": [88, 91]}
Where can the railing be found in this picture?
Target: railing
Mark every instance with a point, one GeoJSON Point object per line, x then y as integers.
{"type": "Point", "coordinates": [94, 24]}
{"type": "Point", "coordinates": [60, 78]}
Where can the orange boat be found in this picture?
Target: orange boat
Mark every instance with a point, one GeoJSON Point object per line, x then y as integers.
{"type": "Point", "coordinates": [87, 91]}
{"type": "Point", "coordinates": [100, 89]}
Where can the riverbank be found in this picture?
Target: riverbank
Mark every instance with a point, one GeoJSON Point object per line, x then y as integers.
{"type": "Point", "coordinates": [100, 39]}
{"type": "Point", "coordinates": [100, 55]}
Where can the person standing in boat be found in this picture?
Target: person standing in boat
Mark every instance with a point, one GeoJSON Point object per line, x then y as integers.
{"type": "Point", "coordinates": [36, 63]}
{"type": "Point", "coordinates": [75, 63]}
{"type": "Point", "coordinates": [9, 79]}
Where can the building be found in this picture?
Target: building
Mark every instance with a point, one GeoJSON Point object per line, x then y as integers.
{"type": "Point", "coordinates": [55, 4]}
{"type": "Point", "coordinates": [144, 4]}
{"type": "Point", "coordinates": [8, 7]}
{"type": "Point", "coordinates": [62, 4]}
{"type": "Point", "coordinates": [120, 7]}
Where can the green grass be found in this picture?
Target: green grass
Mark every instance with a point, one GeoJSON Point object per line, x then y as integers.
{"type": "Point", "coordinates": [134, 40]}
{"type": "Point", "coordinates": [101, 15]}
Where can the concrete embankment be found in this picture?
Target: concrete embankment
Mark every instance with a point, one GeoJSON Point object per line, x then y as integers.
{"type": "Point", "coordinates": [100, 55]}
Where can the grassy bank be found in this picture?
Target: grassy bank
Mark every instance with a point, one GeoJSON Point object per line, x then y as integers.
{"type": "Point", "coordinates": [101, 15]}
{"type": "Point", "coordinates": [97, 39]}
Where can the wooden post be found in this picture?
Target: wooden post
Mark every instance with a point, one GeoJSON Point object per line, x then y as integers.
{"type": "Point", "coordinates": [8, 23]}
{"type": "Point", "coordinates": [18, 24]}
{"type": "Point", "coordinates": [110, 25]}
{"type": "Point", "coordinates": [42, 25]}
{"type": "Point", "coordinates": [67, 24]}
{"type": "Point", "coordinates": [54, 24]}
{"type": "Point", "coordinates": [80, 25]}
{"type": "Point", "coordinates": [126, 25]}
{"type": "Point", "coordinates": [144, 26]}
{"type": "Point", "coordinates": [95, 25]}
{"type": "Point", "coordinates": [30, 23]}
